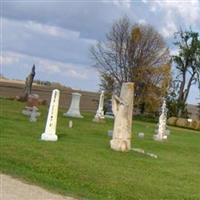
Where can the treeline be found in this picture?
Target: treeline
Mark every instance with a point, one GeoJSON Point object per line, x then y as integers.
{"type": "Point", "coordinates": [138, 53]}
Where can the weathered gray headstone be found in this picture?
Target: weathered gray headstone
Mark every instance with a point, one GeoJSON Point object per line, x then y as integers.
{"type": "Point", "coordinates": [34, 114]}
{"type": "Point", "coordinates": [109, 113]}
{"type": "Point", "coordinates": [28, 83]}
{"type": "Point", "coordinates": [33, 101]}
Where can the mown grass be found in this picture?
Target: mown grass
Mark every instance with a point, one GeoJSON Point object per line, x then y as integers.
{"type": "Point", "coordinates": [81, 163]}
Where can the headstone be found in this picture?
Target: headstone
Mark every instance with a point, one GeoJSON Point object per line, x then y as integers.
{"type": "Point", "coordinates": [123, 109]}
{"type": "Point", "coordinates": [74, 110]}
{"type": "Point", "coordinates": [28, 83]}
{"type": "Point", "coordinates": [167, 132]}
{"type": "Point", "coordinates": [34, 114]}
{"type": "Point", "coordinates": [33, 101]}
{"type": "Point", "coordinates": [99, 117]}
{"type": "Point", "coordinates": [110, 133]}
{"type": "Point", "coordinates": [161, 131]}
{"type": "Point", "coordinates": [109, 112]}
{"type": "Point", "coordinates": [70, 124]}
{"type": "Point", "coordinates": [50, 130]}
{"type": "Point", "coordinates": [141, 135]}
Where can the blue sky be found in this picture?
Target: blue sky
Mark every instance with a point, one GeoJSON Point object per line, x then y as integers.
{"type": "Point", "coordinates": [57, 35]}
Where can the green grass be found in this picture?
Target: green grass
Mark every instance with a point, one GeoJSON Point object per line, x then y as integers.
{"type": "Point", "coordinates": [81, 163]}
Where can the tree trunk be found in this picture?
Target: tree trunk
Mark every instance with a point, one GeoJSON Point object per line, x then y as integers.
{"type": "Point", "coordinates": [188, 87]}
{"type": "Point", "coordinates": [181, 96]}
{"type": "Point", "coordinates": [181, 90]}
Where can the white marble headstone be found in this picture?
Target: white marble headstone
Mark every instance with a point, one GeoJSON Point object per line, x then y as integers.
{"type": "Point", "coordinates": [70, 124]}
{"type": "Point", "coordinates": [50, 130]}
{"type": "Point", "coordinates": [161, 131]}
{"type": "Point", "coordinates": [74, 110]}
{"type": "Point", "coordinates": [100, 113]}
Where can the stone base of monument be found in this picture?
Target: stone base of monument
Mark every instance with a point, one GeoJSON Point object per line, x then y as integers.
{"type": "Point", "coordinates": [28, 111]}
{"type": "Point", "coordinates": [49, 137]}
{"type": "Point", "coordinates": [99, 120]}
{"type": "Point", "coordinates": [109, 115]}
{"type": "Point", "coordinates": [69, 114]}
{"type": "Point", "coordinates": [34, 114]}
{"type": "Point", "coordinates": [120, 145]}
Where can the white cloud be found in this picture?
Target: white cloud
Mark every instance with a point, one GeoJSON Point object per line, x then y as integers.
{"type": "Point", "coordinates": [169, 29]}
{"type": "Point", "coordinates": [41, 40]}
{"type": "Point", "coordinates": [49, 67]}
{"type": "Point", "coordinates": [69, 70]}
{"type": "Point", "coordinates": [142, 21]}
{"type": "Point", "coordinates": [188, 11]}
{"type": "Point", "coordinates": [119, 3]}
{"type": "Point", "coordinates": [144, 1]}
{"type": "Point", "coordinates": [9, 58]}
{"type": "Point", "coordinates": [174, 51]}
{"type": "Point", "coordinates": [51, 30]}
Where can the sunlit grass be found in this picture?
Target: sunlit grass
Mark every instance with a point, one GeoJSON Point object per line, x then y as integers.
{"type": "Point", "coordinates": [81, 163]}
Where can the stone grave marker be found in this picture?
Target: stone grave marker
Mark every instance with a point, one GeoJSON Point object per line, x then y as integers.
{"type": "Point", "coordinates": [99, 117]}
{"type": "Point", "coordinates": [74, 110]}
{"type": "Point", "coordinates": [34, 114]}
{"type": "Point", "coordinates": [123, 109]}
{"type": "Point", "coordinates": [50, 129]}
{"type": "Point", "coordinates": [162, 130]}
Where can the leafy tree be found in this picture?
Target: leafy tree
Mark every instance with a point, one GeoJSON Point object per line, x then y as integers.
{"type": "Point", "coordinates": [135, 53]}
{"type": "Point", "coordinates": [187, 63]}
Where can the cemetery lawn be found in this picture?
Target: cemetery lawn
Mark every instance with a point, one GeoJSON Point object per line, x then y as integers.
{"type": "Point", "coordinates": [81, 163]}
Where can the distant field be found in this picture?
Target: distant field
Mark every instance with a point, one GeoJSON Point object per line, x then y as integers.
{"type": "Point", "coordinates": [81, 163]}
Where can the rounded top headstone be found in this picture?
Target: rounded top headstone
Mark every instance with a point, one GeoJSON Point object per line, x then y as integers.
{"type": "Point", "coordinates": [76, 93]}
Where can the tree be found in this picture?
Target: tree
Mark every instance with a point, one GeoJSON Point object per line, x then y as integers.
{"type": "Point", "coordinates": [187, 63]}
{"type": "Point", "coordinates": [135, 53]}
{"type": "Point", "coordinates": [198, 112]}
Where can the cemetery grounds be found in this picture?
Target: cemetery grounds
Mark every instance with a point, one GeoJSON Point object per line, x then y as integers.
{"type": "Point", "coordinates": [82, 165]}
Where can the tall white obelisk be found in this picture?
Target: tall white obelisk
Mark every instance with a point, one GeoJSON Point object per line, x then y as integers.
{"type": "Point", "coordinates": [50, 130]}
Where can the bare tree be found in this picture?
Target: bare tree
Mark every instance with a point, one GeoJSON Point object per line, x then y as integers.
{"type": "Point", "coordinates": [131, 53]}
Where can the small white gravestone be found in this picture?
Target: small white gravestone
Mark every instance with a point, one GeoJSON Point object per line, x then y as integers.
{"type": "Point", "coordinates": [189, 121]}
{"type": "Point", "coordinates": [110, 133]}
{"type": "Point", "coordinates": [141, 135]}
{"type": "Point", "coordinates": [74, 110]}
{"type": "Point", "coordinates": [50, 130]}
{"type": "Point", "coordinates": [100, 113]}
{"type": "Point", "coordinates": [123, 109]}
{"type": "Point", "coordinates": [70, 124]}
